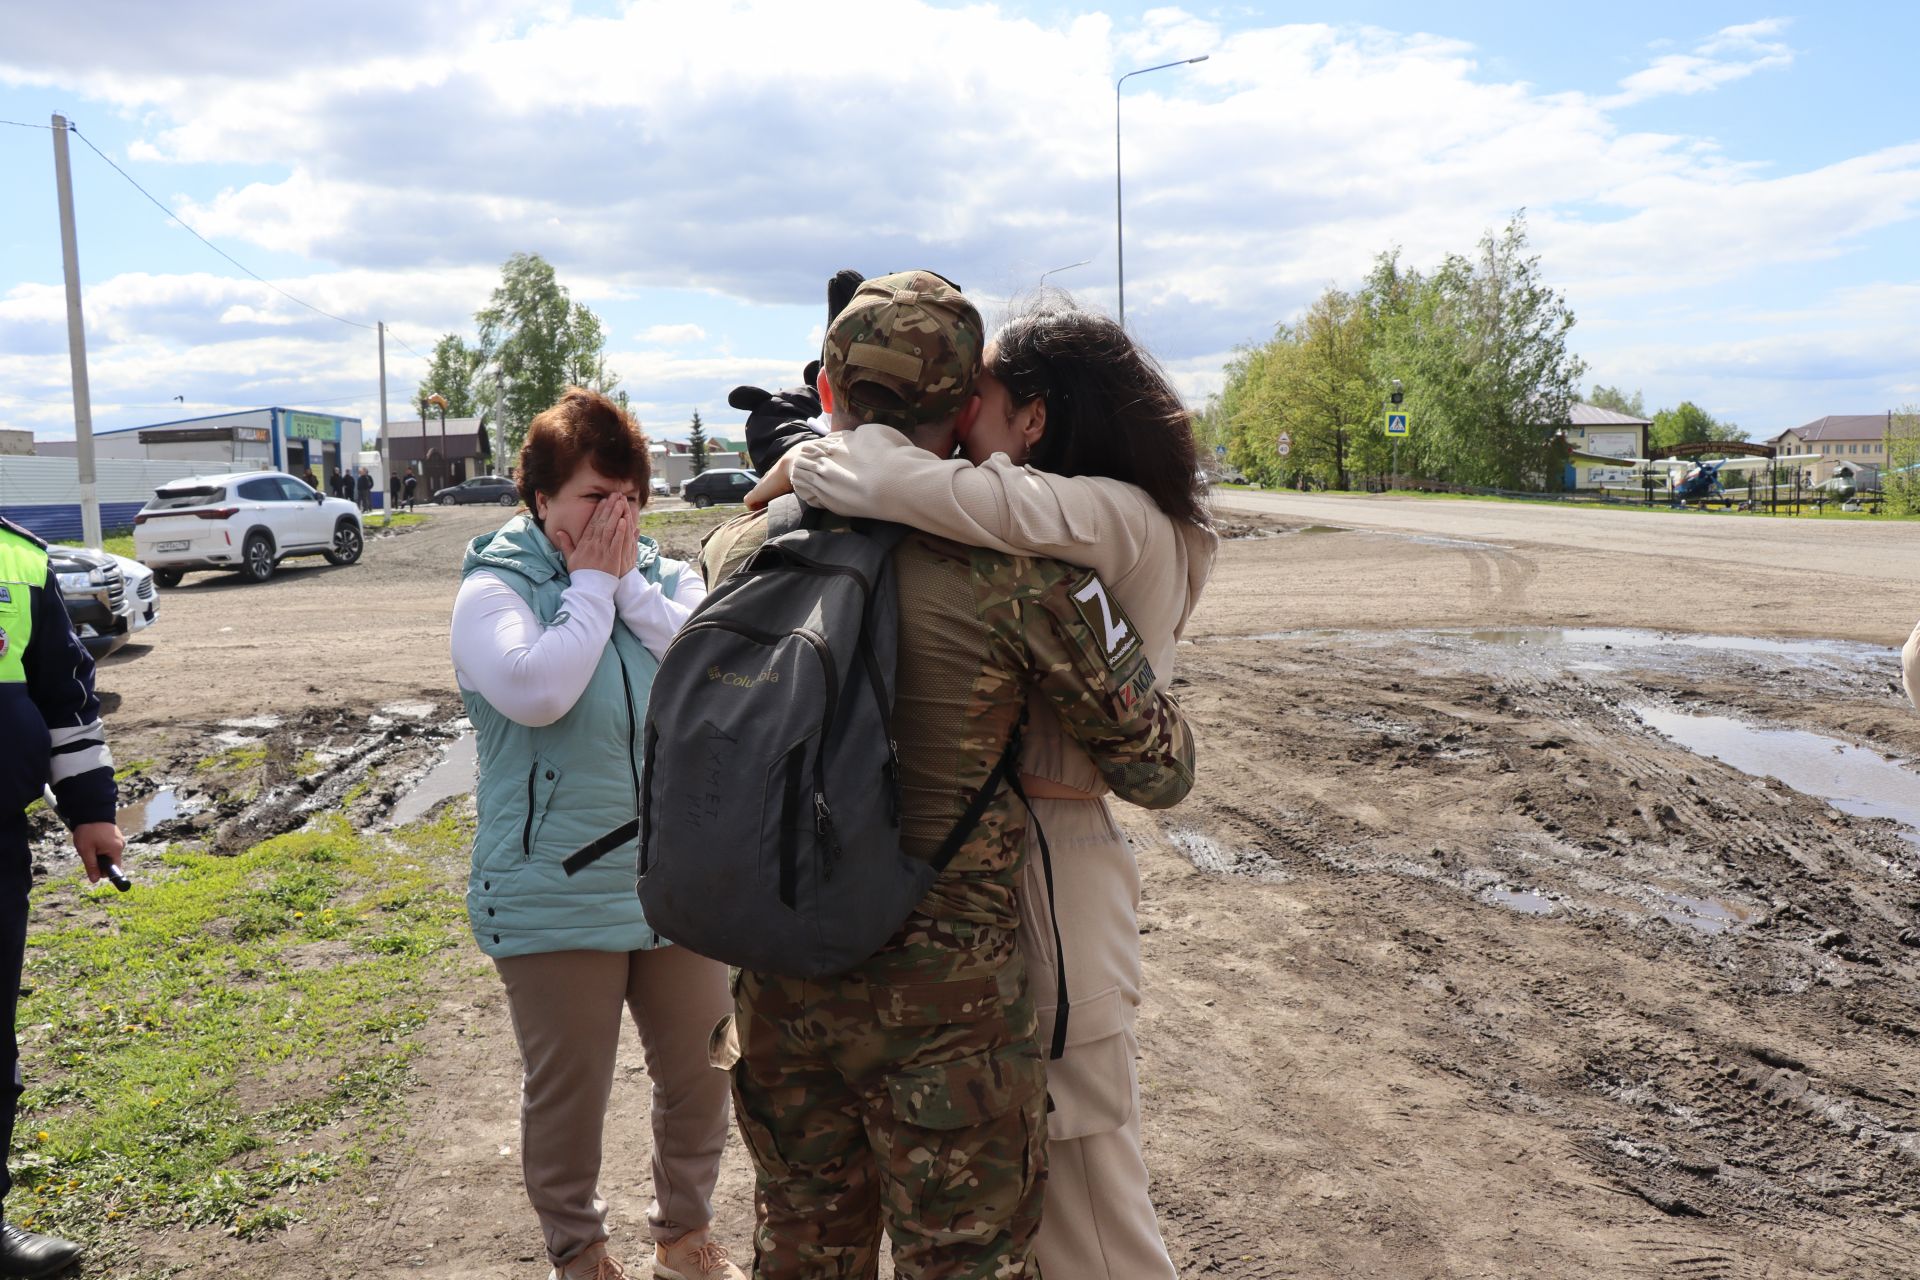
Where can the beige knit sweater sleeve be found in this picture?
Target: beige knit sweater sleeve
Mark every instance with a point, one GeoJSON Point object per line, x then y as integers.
{"type": "Point", "coordinates": [878, 472]}
{"type": "Point", "coordinates": [1154, 568]}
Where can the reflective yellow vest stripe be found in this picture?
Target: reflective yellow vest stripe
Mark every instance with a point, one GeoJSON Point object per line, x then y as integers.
{"type": "Point", "coordinates": [23, 569]}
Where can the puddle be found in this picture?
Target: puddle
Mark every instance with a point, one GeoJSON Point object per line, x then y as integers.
{"type": "Point", "coordinates": [1705, 915]}
{"type": "Point", "coordinates": [1622, 638]}
{"type": "Point", "coordinates": [253, 722]}
{"type": "Point", "coordinates": [409, 710]}
{"type": "Point", "coordinates": [1851, 779]}
{"type": "Point", "coordinates": [1322, 528]}
{"type": "Point", "coordinates": [1597, 652]}
{"type": "Point", "coordinates": [144, 815]}
{"type": "Point", "coordinates": [1524, 901]}
{"type": "Point", "coordinates": [454, 775]}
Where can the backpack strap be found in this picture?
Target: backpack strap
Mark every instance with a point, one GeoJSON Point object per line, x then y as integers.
{"type": "Point", "coordinates": [1007, 773]}
{"type": "Point", "coordinates": [787, 513]}
{"type": "Point", "coordinates": [1061, 1006]}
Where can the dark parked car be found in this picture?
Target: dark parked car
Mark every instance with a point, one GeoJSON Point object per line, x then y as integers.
{"type": "Point", "coordinates": [494, 489]}
{"type": "Point", "coordinates": [709, 487]}
{"type": "Point", "coordinates": [94, 590]}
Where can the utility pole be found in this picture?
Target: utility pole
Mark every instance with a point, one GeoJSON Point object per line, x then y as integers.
{"type": "Point", "coordinates": [500, 467]}
{"type": "Point", "coordinates": [386, 452]}
{"type": "Point", "coordinates": [76, 342]}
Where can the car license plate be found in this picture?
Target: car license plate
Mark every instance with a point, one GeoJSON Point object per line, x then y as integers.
{"type": "Point", "coordinates": [172, 546]}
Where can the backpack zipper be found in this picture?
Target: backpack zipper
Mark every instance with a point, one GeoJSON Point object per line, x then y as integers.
{"type": "Point", "coordinates": [822, 814]}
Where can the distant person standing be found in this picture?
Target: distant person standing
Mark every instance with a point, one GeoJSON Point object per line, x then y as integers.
{"type": "Point", "coordinates": [311, 480]}
{"type": "Point", "coordinates": [408, 488]}
{"type": "Point", "coordinates": [364, 485]}
{"type": "Point", "coordinates": [50, 723]}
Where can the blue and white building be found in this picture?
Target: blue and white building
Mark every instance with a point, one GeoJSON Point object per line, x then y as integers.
{"type": "Point", "coordinates": [42, 492]}
{"type": "Point", "coordinates": [276, 439]}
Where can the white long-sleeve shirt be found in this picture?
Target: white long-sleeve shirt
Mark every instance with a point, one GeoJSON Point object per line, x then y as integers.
{"type": "Point", "coordinates": [533, 674]}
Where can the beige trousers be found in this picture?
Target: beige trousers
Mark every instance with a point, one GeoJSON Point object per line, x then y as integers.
{"type": "Point", "coordinates": [1097, 1221]}
{"type": "Point", "coordinates": [566, 1009]}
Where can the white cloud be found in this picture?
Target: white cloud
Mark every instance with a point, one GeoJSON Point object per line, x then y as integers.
{"type": "Point", "coordinates": [673, 335]}
{"type": "Point", "coordinates": [1732, 53]}
{"type": "Point", "coordinates": [416, 147]}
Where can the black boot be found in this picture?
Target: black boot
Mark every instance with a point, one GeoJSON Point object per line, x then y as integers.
{"type": "Point", "coordinates": [24, 1254]}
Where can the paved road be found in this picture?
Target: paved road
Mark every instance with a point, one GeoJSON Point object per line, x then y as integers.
{"type": "Point", "coordinates": [1884, 552]}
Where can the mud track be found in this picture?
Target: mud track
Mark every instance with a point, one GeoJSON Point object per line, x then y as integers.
{"type": "Point", "coordinates": [1455, 968]}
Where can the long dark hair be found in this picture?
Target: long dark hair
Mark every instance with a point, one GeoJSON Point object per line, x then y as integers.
{"type": "Point", "coordinates": [1110, 409]}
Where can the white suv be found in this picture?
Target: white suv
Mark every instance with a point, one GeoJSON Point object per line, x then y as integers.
{"type": "Point", "coordinates": [245, 520]}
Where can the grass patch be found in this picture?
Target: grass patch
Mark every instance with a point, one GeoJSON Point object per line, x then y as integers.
{"type": "Point", "coordinates": [118, 543]}
{"type": "Point", "coordinates": [401, 520]}
{"type": "Point", "coordinates": [651, 521]}
{"type": "Point", "coordinates": [234, 759]}
{"type": "Point", "coordinates": [227, 1034]}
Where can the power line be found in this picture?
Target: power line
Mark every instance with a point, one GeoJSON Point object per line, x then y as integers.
{"type": "Point", "coordinates": [23, 124]}
{"type": "Point", "coordinates": [203, 240]}
{"type": "Point", "coordinates": [397, 338]}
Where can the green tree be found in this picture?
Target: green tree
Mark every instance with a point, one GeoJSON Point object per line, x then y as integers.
{"type": "Point", "coordinates": [1690, 424]}
{"type": "Point", "coordinates": [697, 444]}
{"type": "Point", "coordinates": [1634, 406]}
{"type": "Point", "coordinates": [1900, 481]}
{"type": "Point", "coordinates": [540, 341]}
{"type": "Point", "coordinates": [1321, 393]}
{"type": "Point", "coordinates": [451, 372]}
{"type": "Point", "coordinates": [1484, 340]}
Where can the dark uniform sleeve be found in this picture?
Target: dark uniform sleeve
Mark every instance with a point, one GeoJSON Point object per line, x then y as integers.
{"type": "Point", "coordinates": [1092, 666]}
{"type": "Point", "coordinates": [59, 674]}
{"type": "Point", "coordinates": [779, 423]}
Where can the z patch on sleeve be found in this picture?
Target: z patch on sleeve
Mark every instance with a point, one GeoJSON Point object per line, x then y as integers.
{"type": "Point", "coordinates": [1117, 636]}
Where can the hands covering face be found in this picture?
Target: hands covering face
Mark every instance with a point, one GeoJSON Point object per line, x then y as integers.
{"type": "Point", "coordinates": [610, 542]}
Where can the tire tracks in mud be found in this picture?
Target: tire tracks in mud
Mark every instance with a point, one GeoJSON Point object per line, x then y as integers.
{"type": "Point", "coordinates": [1752, 1082]}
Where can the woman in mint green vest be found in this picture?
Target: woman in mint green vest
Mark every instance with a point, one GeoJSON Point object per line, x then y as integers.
{"type": "Point", "coordinates": [557, 630]}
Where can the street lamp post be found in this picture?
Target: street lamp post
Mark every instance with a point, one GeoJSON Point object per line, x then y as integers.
{"type": "Point", "coordinates": [441, 401]}
{"type": "Point", "coordinates": [1056, 270]}
{"type": "Point", "coordinates": [1119, 233]}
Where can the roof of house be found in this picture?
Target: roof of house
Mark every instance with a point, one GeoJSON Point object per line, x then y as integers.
{"type": "Point", "coordinates": [1582, 414]}
{"type": "Point", "coordinates": [1842, 426]}
{"type": "Point", "coordinates": [406, 428]}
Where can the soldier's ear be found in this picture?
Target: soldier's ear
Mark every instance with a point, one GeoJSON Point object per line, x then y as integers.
{"type": "Point", "coordinates": [826, 393]}
{"type": "Point", "coordinates": [969, 414]}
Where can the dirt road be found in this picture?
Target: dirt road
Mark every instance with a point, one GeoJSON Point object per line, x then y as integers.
{"type": "Point", "coordinates": [1456, 965]}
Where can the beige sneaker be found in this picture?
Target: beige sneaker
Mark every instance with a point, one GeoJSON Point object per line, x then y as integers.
{"type": "Point", "coordinates": [591, 1263]}
{"type": "Point", "coordinates": [694, 1256]}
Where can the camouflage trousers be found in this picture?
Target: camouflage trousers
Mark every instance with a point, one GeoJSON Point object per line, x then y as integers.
{"type": "Point", "coordinates": [911, 1091]}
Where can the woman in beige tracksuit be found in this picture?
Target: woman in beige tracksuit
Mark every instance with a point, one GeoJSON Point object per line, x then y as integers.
{"type": "Point", "coordinates": [1910, 666]}
{"type": "Point", "coordinates": [1070, 395]}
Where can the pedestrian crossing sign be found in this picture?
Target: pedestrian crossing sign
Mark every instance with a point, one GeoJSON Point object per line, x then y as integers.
{"type": "Point", "coordinates": [1396, 424]}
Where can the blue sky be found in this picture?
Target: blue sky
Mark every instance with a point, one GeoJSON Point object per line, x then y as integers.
{"type": "Point", "coordinates": [1728, 195]}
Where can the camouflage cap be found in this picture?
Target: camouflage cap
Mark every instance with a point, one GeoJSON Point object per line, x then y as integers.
{"type": "Point", "coordinates": [905, 351]}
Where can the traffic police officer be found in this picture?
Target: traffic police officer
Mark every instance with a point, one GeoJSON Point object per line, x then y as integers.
{"type": "Point", "coordinates": [50, 725]}
{"type": "Point", "coordinates": [911, 1089]}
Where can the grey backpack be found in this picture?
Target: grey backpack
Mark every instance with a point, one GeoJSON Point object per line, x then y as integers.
{"type": "Point", "coordinates": [770, 812]}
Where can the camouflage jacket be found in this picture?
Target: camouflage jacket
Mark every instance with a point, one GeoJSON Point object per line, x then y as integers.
{"type": "Point", "coordinates": [979, 632]}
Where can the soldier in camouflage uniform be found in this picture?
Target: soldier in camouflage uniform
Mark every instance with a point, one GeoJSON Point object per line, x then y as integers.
{"type": "Point", "coordinates": [911, 1089]}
